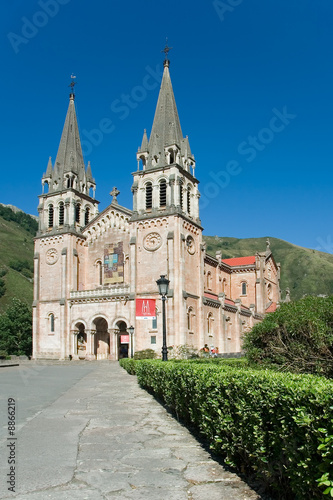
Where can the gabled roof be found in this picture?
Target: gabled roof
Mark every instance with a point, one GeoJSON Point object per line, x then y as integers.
{"type": "Point", "coordinates": [240, 261]}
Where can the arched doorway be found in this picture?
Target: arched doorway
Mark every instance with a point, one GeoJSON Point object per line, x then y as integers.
{"type": "Point", "coordinates": [81, 341]}
{"type": "Point", "coordinates": [101, 339]}
{"type": "Point", "coordinates": [122, 340]}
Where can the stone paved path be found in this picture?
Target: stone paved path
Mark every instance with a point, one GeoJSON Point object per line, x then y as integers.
{"type": "Point", "coordinates": [106, 438]}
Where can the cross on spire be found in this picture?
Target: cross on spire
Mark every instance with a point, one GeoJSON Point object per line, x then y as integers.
{"type": "Point", "coordinates": [114, 193]}
{"type": "Point", "coordinates": [72, 84]}
{"type": "Point", "coordinates": [166, 49]}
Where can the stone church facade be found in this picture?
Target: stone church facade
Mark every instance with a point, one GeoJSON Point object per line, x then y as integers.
{"type": "Point", "coordinates": [94, 271]}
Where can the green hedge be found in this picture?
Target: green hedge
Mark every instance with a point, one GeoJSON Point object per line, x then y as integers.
{"type": "Point", "coordinates": [278, 425]}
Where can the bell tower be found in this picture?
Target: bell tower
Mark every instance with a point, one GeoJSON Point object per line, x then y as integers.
{"type": "Point", "coordinates": [165, 182]}
{"type": "Point", "coordinates": [68, 199]}
{"type": "Point", "coordinates": [66, 206]}
{"type": "Point", "coordinates": [166, 232]}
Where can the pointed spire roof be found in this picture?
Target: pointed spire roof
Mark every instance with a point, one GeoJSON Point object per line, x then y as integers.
{"type": "Point", "coordinates": [89, 173]}
{"type": "Point", "coordinates": [69, 157]}
{"type": "Point", "coordinates": [166, 128]}
{"type": "Point", "coordinates": [49, 170]}
{"type": "Point", "coordinates": [144, 144]}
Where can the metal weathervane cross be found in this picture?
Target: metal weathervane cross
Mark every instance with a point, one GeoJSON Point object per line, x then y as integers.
{"type": "Point", "coordinates": [72, 84]}
{"type": "Point", "coordinates": [166, 49]}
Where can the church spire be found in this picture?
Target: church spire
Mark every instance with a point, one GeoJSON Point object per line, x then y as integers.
{"type": "Point", "coordinates": [69, 169]}
{"type": "Point", "coordinates": [166, 144]}
{"type": "Point", "coordinates": [166, 129]}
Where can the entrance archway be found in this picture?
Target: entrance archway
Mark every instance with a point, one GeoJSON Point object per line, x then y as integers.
{"type": "Point", "coordinates": [81, 341]}
{"type": "Point", "coordinates": [122, 340]}
{"type": "Point", "coordinates": [101, 339]}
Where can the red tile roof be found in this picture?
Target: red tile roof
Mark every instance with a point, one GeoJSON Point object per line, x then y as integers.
{"type": "Point", "coordinates": [229, 301]}
{"type": "Point", "coordinates": [271, 308]}
{"type": "Point", "coordinates": [241, 261]}
{"type": "Point", "coordinates": [211, 295]}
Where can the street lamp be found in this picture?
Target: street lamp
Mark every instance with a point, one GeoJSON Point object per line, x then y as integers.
{"type": "Point", "coordinates": [163, 286]}
{"type": "Point", "coordinates": [131, 331]}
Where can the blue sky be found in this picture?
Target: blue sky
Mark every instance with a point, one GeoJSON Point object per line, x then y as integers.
{"type": "Point", "coordinates": [253, 83]}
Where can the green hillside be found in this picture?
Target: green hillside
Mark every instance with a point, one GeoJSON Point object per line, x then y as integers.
{"type": "Point", "coordinates": [16, 256]}
{"type": "Point", "coordinates": [303, 271]}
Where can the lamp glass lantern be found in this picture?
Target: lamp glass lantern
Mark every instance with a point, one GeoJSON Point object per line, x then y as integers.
{"type": "Point", "coordinates": [163, 285]}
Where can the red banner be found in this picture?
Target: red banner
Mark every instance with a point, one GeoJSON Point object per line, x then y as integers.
{"type": "Point", "coordinates": [145, 308]}
{"type": "Point", "coordinates": [124, 339]}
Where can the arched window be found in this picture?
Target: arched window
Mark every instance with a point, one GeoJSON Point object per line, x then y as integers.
{"type": "Point", "coordinates": [209, 280]}
{"type": "Point", "coordinates": [188, 200]}
{"type": "Point", "coordinates": [86, 216]}
{"type": "Point", "coordinates": [69, 182]}
{"type": "Point", "coordinates": [190, 315]}
{"type": "Point", "coordinates": [99, 272]}
{"type": "Point", "coordinates": [149, 195]}
{"type": "Point", "coordinates": [163, 189]}
{"type": "Point", "coordinates": [269, 291]}
{"type": "Point", "coordinates": [77, 212]}
{"type": "Point", "coordinates": [210, 320]}
{"type": "Point", "coordinates": [51, 212]}
{"type": "Point", "coordinates": [181, 196]}
{"type": "Point", "coordinates": [61, 213]}
{"type": "Point", "coordinates": [243, 288]}
{"type": "Point", "coordinates": [52, 323]}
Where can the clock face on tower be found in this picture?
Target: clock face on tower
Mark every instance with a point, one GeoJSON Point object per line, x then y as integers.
{"type": "Point", "coordinates": [51, 256]}
{"type": "Point", "coordinates": [152, 242]}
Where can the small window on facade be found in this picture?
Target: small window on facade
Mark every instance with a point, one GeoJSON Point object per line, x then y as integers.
{"type": "Point", "coordinates": [243, 288]}
{"type": "Point", "coordinates": [181, 196]}
{"type": "Point", "coordinates": [100, 272]}
{"type": "Point", "coordinates": [153, 339]}
{"type": "Point", "coordinates": [61, 214]}
{"type": "Point", "coordinates": [77, 212]}
{"type": "Point", "coordinates": [86, 216]}
{"type": "Point", "coordinates": [210, 320]}
{"type": "Point", "coordinates": [154, 323]}
{"type": "Point", "coordinates": [149, 196]}
{"type": "Point", "coordinates": [163, 189]}
{"type": "Point", "coordinates": [52, 323]}
{"type": "Point", "coordinates": [209, 280]}
{"type": "Point", "coordinates": [188, 201]}
{"type": "Point", "coordinates": [189, 318]}
{"type": "Point", "coordinates": [51, 212]}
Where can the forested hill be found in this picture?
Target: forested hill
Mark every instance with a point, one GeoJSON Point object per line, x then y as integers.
{"type": "Point", "coordinates": [17, 230]}
{"type": "Point", "coordinates": [303, 271]}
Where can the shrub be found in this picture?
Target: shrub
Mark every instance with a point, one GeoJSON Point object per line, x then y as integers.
{"type": "Point", "coordinates": [145, 354]}
{"type": "Point", "coordinates": [297, 337]}
{"type": "Point", "coordinates": [182, 352]}
{"type": "Point", "coordinates": [269, 423]}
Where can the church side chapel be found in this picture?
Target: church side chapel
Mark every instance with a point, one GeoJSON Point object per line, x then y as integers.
{"type": "Point", "coordinates": [95, 291]}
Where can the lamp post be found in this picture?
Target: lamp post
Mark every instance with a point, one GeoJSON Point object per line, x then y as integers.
{"type": "Point", "coordinates": [131, 331]}
{"type": "Point", "coordinates": [163, 286]}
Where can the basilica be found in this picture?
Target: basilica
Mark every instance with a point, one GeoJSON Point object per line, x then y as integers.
{"type": "Point", "coordinates": [95, 273]}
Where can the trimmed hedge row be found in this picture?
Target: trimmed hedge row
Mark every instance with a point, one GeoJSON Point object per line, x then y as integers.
{"type": "Point", "coordinates": [271, 423]}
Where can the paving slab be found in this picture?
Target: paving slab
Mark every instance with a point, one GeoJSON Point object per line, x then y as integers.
{"type": "Point", "coordinates": [103, 437]}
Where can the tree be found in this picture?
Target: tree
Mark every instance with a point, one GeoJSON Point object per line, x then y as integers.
{"type": "Point", "coordinates": [297, 337]}
{"type": "Point", "coordinates": [16, 329]}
